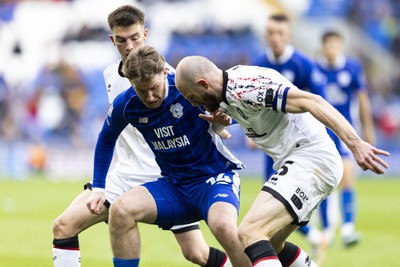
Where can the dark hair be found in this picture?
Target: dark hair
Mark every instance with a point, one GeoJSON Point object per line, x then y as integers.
{"type": "Point", "coordinates": [125, 16]}
{"type": "Point", "coordinates": [280, 17]}
{"type": "Point", "coordinates": [329, 34]}
{"type": "Point", "coordinates": [143, 64]}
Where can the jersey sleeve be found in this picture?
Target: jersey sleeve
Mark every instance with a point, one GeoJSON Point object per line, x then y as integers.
{"type": "Point", "coordinates": [265, 96]}
{"type": "Point", "coordinates": [112, 127]}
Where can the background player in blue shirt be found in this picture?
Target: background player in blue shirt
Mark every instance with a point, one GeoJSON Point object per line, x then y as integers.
{"type": "Point", "coordinates": [199, 178]}
{"type": "Point", "coordinates": [345, 89]}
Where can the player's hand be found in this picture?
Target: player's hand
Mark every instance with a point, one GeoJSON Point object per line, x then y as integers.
{"type": "Point", "coordinates": [219, 116]}
{"type": "Point", "coordinates": [367, 158]}
{"type": "Point", "coordinates": [219, 120]}
{"type": "Point", "coordinates": [96, 201]}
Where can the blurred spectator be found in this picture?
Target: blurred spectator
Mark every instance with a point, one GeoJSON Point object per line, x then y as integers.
{"type": "Point", "coordinates": [377, 18]}
{"type": "Point", "coordinates": [57, 104]}
{"type": "Point", "coordinates": [9, 130]}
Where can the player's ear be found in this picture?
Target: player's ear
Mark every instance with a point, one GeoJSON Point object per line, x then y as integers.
{"type": "Point", "coordinates": [202, 83]}
{"type": "Point", "coordinates": [145, 34]}
{"type": "Point", "coordinates": [111, 38]}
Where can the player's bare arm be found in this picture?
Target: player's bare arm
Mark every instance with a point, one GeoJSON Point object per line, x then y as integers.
{"type": "Point", "coordinates": [219, 120]}
{"type": "Point", "coordinates": [366, 155]}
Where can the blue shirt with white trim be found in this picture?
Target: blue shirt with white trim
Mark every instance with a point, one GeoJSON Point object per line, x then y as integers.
{"type": "Point", "coordinates": [185, 146]}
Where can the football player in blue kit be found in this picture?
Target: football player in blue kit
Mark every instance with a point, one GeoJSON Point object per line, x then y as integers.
{"type": "Point", "coordinates": [346, 86]}
{"type": "Point", "coordinates": [199, 179]}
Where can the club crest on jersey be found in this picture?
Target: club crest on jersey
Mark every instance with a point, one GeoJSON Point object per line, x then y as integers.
{"type": "Point", "coordinates": [144, 120]}
{"type": "Point", "coordinates": [176, 110]}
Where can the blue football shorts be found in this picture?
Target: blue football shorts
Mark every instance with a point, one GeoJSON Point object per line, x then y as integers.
{"type": "Point", "coordinates": [186, 203]}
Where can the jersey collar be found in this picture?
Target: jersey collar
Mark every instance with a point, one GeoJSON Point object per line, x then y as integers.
{"type": "Point", "coordinates": [287, 54]}
{"type": "Point", "coordinates": [120, 65]}
{"type": "Point", "coordinates": [339, 63]}
{"type": "Point", "coordinates": [224, 86]}
{"type": "Point", "coordinates": [166, 87]}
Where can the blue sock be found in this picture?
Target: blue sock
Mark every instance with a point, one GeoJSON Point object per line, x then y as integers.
{"type": "Point", "coordinates": [324, 213]}
{"type": "Point", "coordinates": [348, 205]}
{"type": "Point", "coordinates": [304, 229]}
{"type": "Point", "coordinates": [126, 263]}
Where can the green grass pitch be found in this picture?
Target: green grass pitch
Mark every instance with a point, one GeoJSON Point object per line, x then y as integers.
{"type": "Point", "coordinates": [27, 209]}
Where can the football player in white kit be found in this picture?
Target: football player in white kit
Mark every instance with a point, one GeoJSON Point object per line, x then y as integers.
{"type": "Point", "coordinates": [288, 124]}
{"type": "Point", "coordinates": [135, 165]}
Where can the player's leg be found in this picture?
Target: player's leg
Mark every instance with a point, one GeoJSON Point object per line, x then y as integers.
{"type": "Point", "coordinates": [320, 251]}
{"type": "Point", "coordinates": [136, 205]}
{"type": "Point", "coordinates": [222, 220]}
{"type": "Point", "coordinates": [290, 196]}
{"type": "Point", "coordinates": [266, 217]}
{"type": "Point", "coordinates": [311, 233]}
{"type": "Point", "coordinates": [348, 195]}
{"type": "Point", "coordinates": [289, 254]}
{"type": "Point", "coordinates": [68, 225]}
{"type": "Point", "coordinates": [195, 248]}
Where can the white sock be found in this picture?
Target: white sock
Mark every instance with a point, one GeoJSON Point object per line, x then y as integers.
{"type": "Point", "coordinates": [303, 260]}
{"type": "Point", "coordinates": [227, 263]}
{"type": "Point", "coordinates": [66, 257]}
{"type": "Point", "coordinates": [268, 263]}
{"type": "Point", "coordinates": [347, 229]}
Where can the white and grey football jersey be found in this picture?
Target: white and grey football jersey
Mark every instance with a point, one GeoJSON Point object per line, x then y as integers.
{"type": "Point", "coordinates": [135, 158]}
{"type": "Point", "coordinates": [256, 98]}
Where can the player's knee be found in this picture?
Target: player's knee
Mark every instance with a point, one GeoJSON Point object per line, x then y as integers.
{"type": "Point", "coordinates": [119, 210]}
{"type": "Point", "coordinates": [223, 228]}
{"type": "Point", "coordinates": [62, 228]}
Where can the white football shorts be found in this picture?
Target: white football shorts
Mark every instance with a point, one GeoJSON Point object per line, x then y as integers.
{"type": "Point", "coordinates": [118, 183]}
{"type": "Point", "coordinates": [307, 176]}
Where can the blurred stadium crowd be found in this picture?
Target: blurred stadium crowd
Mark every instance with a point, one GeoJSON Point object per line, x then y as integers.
{"type": "Point", "coordinates": [52, 54]}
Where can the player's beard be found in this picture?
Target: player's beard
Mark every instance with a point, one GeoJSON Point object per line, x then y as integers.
{"type": "Point", "coordinates": [212, 103]}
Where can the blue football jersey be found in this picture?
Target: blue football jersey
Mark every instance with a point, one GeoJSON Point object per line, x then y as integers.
{"type": "Point", "coordinates": [344, 80]}
{"type": "Point", "coordinates": [185, 146]}
{"type": "Point", "coordinates": [296, 67]}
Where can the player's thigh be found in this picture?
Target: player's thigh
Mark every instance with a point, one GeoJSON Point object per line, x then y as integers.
{"type": "Point", "coordinates": [137, 202]}
{"type": "Point", "coordinates": [267, 216]}
{"type": "Point", "coordinates": [77, 216]}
